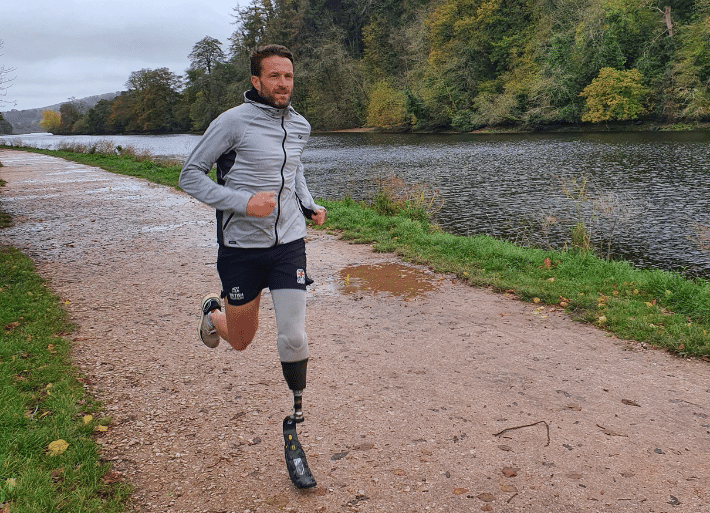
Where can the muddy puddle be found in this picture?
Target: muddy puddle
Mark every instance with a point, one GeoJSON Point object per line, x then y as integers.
{"type": "Point", "coordinates": [388, 278]}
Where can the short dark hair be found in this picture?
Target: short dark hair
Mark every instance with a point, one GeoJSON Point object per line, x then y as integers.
{"type": "Point", "coordinates": [263, 52]}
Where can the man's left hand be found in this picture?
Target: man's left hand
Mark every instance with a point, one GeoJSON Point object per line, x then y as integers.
{"type": "Point", "coordinates": [319, 217]}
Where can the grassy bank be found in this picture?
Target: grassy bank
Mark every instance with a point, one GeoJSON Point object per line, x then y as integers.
{"type": "Point", "coordinates": [654, 307]}
{"type": "Point", "coordinates": [49, 460]}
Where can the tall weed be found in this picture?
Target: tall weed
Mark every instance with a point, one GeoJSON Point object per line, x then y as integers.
{"type": "Point", "coordinates": [394, 196]}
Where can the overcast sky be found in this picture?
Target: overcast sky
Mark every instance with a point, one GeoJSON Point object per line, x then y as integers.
{"type": "Point", "coordinates": [72, 48]}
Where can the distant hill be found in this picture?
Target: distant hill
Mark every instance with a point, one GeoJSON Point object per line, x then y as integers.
{"type": "Point", "coordinates": [27, 121]}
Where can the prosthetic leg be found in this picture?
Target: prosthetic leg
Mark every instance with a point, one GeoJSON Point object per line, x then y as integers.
{"type": "Point", "coordinates": [290, 309]}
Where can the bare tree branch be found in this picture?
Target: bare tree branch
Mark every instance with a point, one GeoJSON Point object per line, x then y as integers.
{"type": "Point", "coordinates": [5, 79]}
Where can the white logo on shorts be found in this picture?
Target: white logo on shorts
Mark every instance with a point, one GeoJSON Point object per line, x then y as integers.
{"type": "Point", "coordinates": [235, 295]}
{"type": "Point", "coordinates": [301, 277]}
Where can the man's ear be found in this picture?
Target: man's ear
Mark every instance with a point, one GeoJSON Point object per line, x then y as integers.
{"type": "Point", "coordinates": [256, 82]}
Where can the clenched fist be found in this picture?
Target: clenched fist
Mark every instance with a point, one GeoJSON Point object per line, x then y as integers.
{"type": "Point", "coordinates": [261, 204]}
{"type": "Point", "coordinates": [319, 216]}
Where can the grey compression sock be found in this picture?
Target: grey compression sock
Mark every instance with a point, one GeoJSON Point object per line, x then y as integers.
{"type": "Point", "coordinates": [290, 309]}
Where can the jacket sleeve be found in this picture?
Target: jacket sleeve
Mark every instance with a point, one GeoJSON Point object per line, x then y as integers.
{"type": "Point", "coordinates": [220, 137]}
{"type": "Point", "coordinates": [308, 205]}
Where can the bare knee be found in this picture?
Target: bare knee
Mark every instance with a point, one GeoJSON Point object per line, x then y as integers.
{"type": "Point", "coordinates": [241, 339]}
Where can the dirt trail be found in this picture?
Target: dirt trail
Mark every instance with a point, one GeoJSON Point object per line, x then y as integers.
{"type": "Point", "coordinates": [405, 396]}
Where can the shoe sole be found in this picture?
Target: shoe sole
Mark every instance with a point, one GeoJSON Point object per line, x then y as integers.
{"type": "Point", "coordinates": [201, 319]}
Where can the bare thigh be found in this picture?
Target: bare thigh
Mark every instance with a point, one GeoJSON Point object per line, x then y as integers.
{"type": "Point", "coordinates": [242, 323]}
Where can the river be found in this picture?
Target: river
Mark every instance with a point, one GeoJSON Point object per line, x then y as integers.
{"type": "Point", "coordinates": [643, 196]}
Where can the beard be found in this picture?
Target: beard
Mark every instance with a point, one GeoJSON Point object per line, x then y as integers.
{"type": "Point", "coordinates": [270, 98]}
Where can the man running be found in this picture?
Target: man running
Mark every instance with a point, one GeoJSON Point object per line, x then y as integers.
{"type": "Point", "coordinates": [261, 198]}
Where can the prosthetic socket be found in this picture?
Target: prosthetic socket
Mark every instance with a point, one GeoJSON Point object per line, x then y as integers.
{"type": "Point", "coordinates": [295, 375]}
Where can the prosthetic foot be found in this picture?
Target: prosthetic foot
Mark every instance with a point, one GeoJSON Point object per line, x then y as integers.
{"type": "Point", "coordinates": [296, 463]}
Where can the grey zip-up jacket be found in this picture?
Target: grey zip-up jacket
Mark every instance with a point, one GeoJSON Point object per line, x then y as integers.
{"type": "Point", "coordinates": [257, 148]}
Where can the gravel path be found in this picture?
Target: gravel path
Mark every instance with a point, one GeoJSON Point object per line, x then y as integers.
{"type": "Point", "coordinates": [451, 399]}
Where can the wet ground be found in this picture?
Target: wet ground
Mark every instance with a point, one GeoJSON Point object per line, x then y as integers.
{"type": "Point", "coordinates": [423, 394]}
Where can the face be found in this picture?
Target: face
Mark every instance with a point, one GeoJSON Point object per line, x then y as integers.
{"type": "Point", "coordinates": [275, 84]}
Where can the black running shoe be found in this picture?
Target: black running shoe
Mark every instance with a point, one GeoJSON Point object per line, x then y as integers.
{"type": "Point", "coordinates": [296, 463]}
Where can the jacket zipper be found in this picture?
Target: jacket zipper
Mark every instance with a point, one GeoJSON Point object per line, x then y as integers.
{"type": "Point", "coordinates": [283, 181]}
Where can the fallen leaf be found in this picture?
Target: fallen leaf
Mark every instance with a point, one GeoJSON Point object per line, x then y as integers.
{"type": "Point", "coordinates": [574, 475]}
{"type": "Point", "coordinates": [510, 471]}
{"type": "Point", "coordinates": [398, 472]}
{"type": "Point", "coordinates": [629, 402]}
{"type": "Point", "coordinates": [11, 483]}
{"type": "Point", "coordinates": [547, 263]}
{"type": "Point", "coordinates": [536, 300]}
{"type": "Point", "coordinates": [504, 487]}
{"type": "Point", "coordinates": [57, 447]}
{"type": "Point", "coordinates": [111, 477]}
{"type": "Point", "coordinates": [460, 491]}
{"type": "Point", "coordinates": [87, 418]}
{"type": "Point", "coordinates": [11, 326]}
{"type": "Point", "coordinates": [101, 428]}
{"type": "Point", "coordinates": [486, 497]}
{"type": "Point", "coordinates": [575, 407]}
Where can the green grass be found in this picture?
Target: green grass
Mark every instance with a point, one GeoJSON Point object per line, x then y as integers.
{"type": "Point", "coordinates": [43, 400]}
{"type": "Point", "coordinates": [661, 308]}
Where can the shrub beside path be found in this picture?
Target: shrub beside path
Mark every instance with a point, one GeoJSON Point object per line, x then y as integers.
{"type": "Point", "coordinates": [455, 399]}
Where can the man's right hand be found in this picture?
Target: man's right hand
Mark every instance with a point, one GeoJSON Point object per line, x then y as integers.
{"type": "Point", "coordinates": [261, 204]}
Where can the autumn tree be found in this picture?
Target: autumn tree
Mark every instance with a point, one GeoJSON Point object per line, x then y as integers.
{"type": "Point", "coordinates": [205, 82]}
{"type": "Point", "coordinates": [154, 95]}
{"type": "Point", "coordinates": [96, 118]}
{"type": "Point", "coordinates": [386, 108]}
{"type": "Point", "coordinates": [51, 121]}
{"type": "Point", "coordinates": [69, 113]}
{"type": "Point", "coordinates": [252, 22]}
{"type": "Point", "coordinates": [689, 96]}
{"type": "Point", "coordinates": [614, 95]}
{"type": "Point", "coordinates": [205, 54]}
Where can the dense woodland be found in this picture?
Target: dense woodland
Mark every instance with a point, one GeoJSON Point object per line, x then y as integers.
{"type": "Point", "coordinates": [437, 65]}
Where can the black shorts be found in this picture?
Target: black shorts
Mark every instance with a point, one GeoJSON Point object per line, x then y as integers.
{"type": "Point", "coordinates": [245, 272]}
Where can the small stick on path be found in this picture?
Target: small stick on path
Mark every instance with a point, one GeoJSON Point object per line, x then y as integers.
{"type": "Point", "coordinates": [528, 425]}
